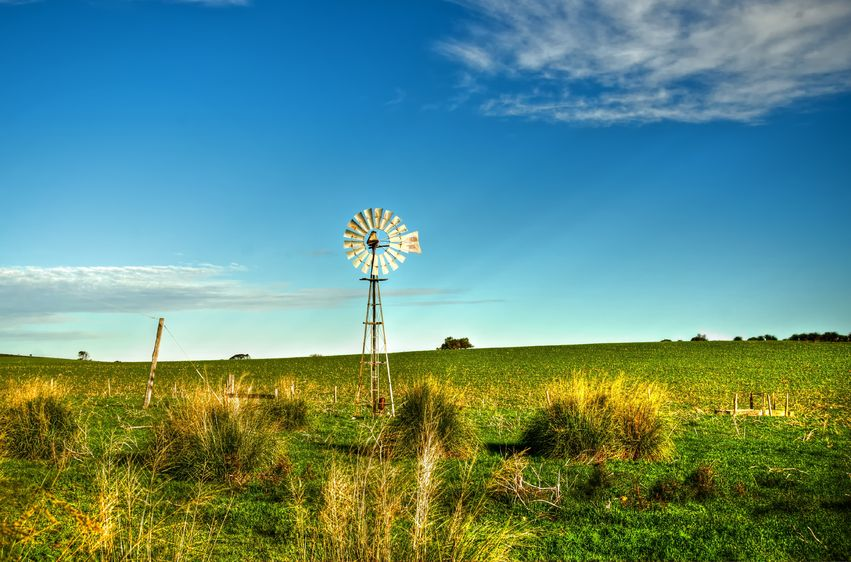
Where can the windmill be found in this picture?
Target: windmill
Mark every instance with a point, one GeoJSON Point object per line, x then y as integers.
{"type": "Point", "coordinates": [376, 242]}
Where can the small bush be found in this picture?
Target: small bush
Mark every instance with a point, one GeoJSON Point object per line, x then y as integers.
{"type": "Point", "coordinates": [598, 419]}
{"type": "Point", "coordinates": [452, 343]}
{"type": "Point", "coordinates": [431, 413]}
{"type": "Point", "coordinates": [207, 439]}
{"type": "Point", "coordinates": [286, 413]}
{"type": "Point", "coordinates": [37, 423]}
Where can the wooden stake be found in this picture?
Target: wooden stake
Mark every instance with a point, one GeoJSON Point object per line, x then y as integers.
{"type": "Point", "coordinates": [150, 390]}
{"type": "Point", "coordinates": [335, 394]}
{"type": "Point", "coordinates": [108, 388]}
{"type": "Point", "coordinates": [786, 408]}
{"type": "Point", "coordinates": [231, 387]}
{"type": "Point", "coordinates": [549, 400]}
{"type": "Point", "coordinates": [770, 409]}
{"type": "Point", "coordinates": [735, 403]}
{"type": "Point", "coordinates": [751, 400]}
{"type": "Point", "coordinates": [762, 410]}
{"type": "Point", "coordinates": [276, 393]}
{"type": "Point", "coordinates": [292, 389]}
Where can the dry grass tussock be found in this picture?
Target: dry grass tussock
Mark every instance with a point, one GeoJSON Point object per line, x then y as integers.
{"type": "Point", "coordinates": [431, 414]}
{"type": "Point", "coordinates": [206, 436]}
{"type": "Point", "coordinates": [37, 422]}
{"type": "Point", "coordinates": [595, 418]}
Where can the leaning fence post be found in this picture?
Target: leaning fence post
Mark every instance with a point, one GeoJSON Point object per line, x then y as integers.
{"type": "Point", "coordinates": [150, 389]}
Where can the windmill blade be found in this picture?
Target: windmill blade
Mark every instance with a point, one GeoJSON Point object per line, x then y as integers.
{"type": "Point", "coordinates": [367, 263]}
{"type": "Point", "coordinates": [367, 217]}
{"type": "Point", "coordinates": [351, 253]}
{"type": "Point", "coordinates": [356, 244]}
{"type": "Point", "coordinates": [385, 219]}
{"type": "Point", "coordinates": [383, 262]}
{"type": "Point", "coordinates": [376, 217]}
{"type": "Point", "coordinates": [352, 234]}
{"type": "Point", "coordinates": [396, 255]}
{"type": "Point", "coordinates": [361, 257]}
{"type": "Point", "coordinates": [356, 228]}
{"type": "Point", "coordinates": [358, 219]}
{"type": "Point", "coordinates": [411, 243]}
{"type": "Point", "coordinates": [398, 231]}
{"type": "Point", "coordinates": [390, 261]}
{"type": "Point", "coordinates": [396, 220]}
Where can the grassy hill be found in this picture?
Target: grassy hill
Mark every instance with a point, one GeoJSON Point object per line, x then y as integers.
{"type": "Point", "coordinates": [734, 488]}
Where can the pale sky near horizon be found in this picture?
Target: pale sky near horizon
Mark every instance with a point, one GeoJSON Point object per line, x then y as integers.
{"type": "Point", "coordinates": [578, 171]}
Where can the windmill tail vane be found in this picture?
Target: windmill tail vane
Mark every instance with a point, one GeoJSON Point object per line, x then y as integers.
{"type": "Point", "coordinates": [376, 241]}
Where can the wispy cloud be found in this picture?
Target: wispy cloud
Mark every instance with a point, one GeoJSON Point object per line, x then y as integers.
{"type": "Point", "coordinates": [37, 294]}
{"type": "Point", "coordinates": [399, 96]}
{"type": "Point", "coordinates": [650, 60]}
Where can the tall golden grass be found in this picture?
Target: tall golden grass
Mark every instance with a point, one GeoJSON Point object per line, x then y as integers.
{"type": "Point", "coordinates": [595, 418]}
{"type": "Point", "coordinates": [37, 422]}
{"type": "Point", "coordinates": [128, 516]}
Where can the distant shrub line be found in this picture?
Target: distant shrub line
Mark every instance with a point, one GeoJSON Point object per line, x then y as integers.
{"type": "Point", "coordinates": [811, 336]}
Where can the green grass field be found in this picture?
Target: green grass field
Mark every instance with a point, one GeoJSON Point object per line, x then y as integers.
{"type": "Point", "coordinates": [752, 488]}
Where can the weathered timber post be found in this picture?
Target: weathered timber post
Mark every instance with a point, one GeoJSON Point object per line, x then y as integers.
{"type": "Point", "coordinates": [150, 390]}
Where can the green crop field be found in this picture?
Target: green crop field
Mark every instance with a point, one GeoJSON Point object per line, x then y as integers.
{"type": "Point", "coordinates": [743, 487]}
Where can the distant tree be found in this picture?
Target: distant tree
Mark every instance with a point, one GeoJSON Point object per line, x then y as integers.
{"type": "Point", "coordinates": [666, 339]}
{"type": "Point", "coordinates": [699, 337]}
{"type": "Point", "coordinates": [452, 343]}
{"type": "Point", "coordinates": [737, 338]}
{"type": "Point", "coordinates": [769, 337]}
{"type": "Point", "coordinates": [756, 338]}
{"type": "Point", "coordinates": [83, 356]}
{"type": "Point", "coordinates": [240, 356]}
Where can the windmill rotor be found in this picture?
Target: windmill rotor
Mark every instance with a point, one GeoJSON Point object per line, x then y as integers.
{"type": "Point", "coordinates": [376, 239]}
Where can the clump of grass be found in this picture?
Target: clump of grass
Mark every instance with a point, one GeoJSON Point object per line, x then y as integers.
{"type": "Point", "coordinates": [702, 481]}
{"type": "Point", "coordinates": [207, 437]}
{"type": "Point", "coordinates": [600, 479]}
{"type": "Point", "coordinates": [431, 415]}
{"type": "Point", "coordinates": [597, 418]}
{"type": "Point", "coordinates": [286, 413]}
{"type": "Point", "coordinates": [38, 423]}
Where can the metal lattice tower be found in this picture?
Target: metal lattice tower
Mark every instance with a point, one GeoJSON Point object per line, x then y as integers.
{"type": "Point", "coordinates": [376, 241]}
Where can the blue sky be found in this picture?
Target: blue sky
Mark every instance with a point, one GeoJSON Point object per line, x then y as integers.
{"type": "Point", "coordinates": [578, 171]}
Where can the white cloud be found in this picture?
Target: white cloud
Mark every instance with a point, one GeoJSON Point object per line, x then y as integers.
{"type": "Point", "coordinates": [31, 295]}
{"type": "Point", "coordinates": [650, 60]}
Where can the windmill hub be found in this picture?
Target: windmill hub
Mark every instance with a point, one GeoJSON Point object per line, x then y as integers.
{"type": "Point", "coordinates": [367, 232]}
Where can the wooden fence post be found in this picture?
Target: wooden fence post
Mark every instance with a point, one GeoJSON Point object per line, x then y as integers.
{"type": "Point", "coordinates": [150, 390]}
